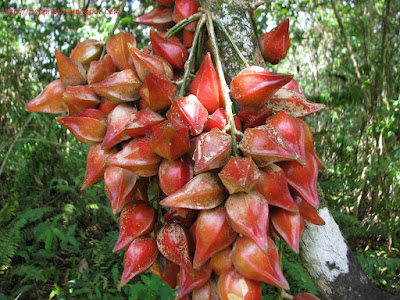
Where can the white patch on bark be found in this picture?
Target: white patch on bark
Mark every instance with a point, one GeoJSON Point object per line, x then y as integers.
{"type": "Point", "coordinates": [325, 251]}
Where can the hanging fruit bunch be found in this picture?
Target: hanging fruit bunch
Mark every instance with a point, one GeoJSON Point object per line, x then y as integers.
{"type": "Point", "coordinates": [224, 187]}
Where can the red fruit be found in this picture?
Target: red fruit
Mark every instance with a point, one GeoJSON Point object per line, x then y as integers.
{"type": "Point", "coordinates": [50, 100]}
{"type": "Point", "coordinates": [183, 216]}
{"type": "Point", "coordinates": [106, 106]}
{"type": "Point", "coordinates": [293, 103]}
{"type": "Point", "coordinates": [137, 157]}
{"type": "Point", "coordinates": [119, 87]}
{"type": "Point", "coordinates": [309, 143]}
{"type": "Point", "coordinates": [250, 261]}
{"type": "Point", "coordinates": [119, 186]}
{"type": "Point", "coordinates": [117, 48]}
{"type": "Point", "coordinates": [174, 174]}
{"type": "Point", "coordinates": [232, 285]}
{"type": "Point", "coordinates": [274, 187]}
{"type": "Point", "coordinates": [189, 282]}
{"type": "Point", "coordinates": [294, 85]}
{"type": "Point", "coordinates": [95, 164]}
{"type": "Point", "coordinates": [184, 9]}
{"type": "Point", "coordinates": [158, 92]}
{"type": "Point", "coordinates": [204, 191]}
{"type": "Point", "coordinates": [160, 18]}
{"type": "Point", "coordinates": [117, 120]}
{"type": "Point", "coordinates": [221, 261]}
{"type": "Point", "coordinates": [188, 37]}
{"type": "Point", "coordinates": [86, 52]}
{"type": "Point", "coordinates": [265, 144]}
{"type": "Point", "coordinates": [254, 86]}
{"type": "Point", "coordinates": [88, 127]}
{"type": "Point", "coordinates": [166, 270]}
{"type": "Point", "coordinates": [292, 131]}
{"type": "Point", "coordinates": [136, 219]}
{"type": "Point", "coordinates": [219, 120]}
{"type": "Point", "coordinates": [288, 226]}
{"type": "Point", "coordinates": [248, 215]}
{"type": "Point", "coordinates": [240, 174]}
{"type": "Point", "coordinates": [308, 212]}
{"type": "Point", "coordinates": [140, 255]}
{"type": "Point", "coordinates": [254, 116]}
{"type": "Point", "coordinates": [189, 112]}
{"type": "Point", "coordinates": [141, 186]}
{"type": "Point", "coordinates": [71, 71]}
{"type": "Point", "coordinates": [100, 70]}
{"type": "Point", "coordinates": [275, 43]}
{"type": "Point", "coordinates": [174, 242]}
{"type": "Point", "coordinates": [142, 122]}
{"type": "Point", "coordinates": [169, 140]}
{"type": "Point", "coordinates": [206, 85]}
{"type": "Point", "coordinates": [78, 98]}
{"type": "Point", "coordinates": [206, 292]}
{"type": "Point", "coordinates": [172, 51]}
{"type": "Point", "coordinates": [212, 151]}
{"type": "Point", "coordinates": [213, 234]}
{"type": "Point", "coordinates": [303, 179]}
{"type": "Point", "coordinates": [146, 63]}
{"type": "Point", "coordinates": [305, 296]}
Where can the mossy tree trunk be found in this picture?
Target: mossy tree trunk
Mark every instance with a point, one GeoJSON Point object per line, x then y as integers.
{"type": "Point", "coordinates": [324, 251]}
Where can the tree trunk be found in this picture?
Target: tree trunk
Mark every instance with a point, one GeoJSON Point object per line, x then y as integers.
{"type": "Point", "coordinates": [324, 251]}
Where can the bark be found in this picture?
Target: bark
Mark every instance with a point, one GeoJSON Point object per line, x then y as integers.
{"type": "Point", "coordinates": [324, 251]}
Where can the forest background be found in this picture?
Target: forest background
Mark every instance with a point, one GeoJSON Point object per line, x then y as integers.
{"type": "Point", "coordinates": [56, 241]}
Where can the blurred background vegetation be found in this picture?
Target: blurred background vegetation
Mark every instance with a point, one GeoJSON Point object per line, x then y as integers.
{"type": "Point", "coordinates": [56, 241]}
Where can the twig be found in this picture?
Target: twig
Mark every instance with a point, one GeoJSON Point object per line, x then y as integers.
{"type": "Point", "coordinates": [224, 86]}
{"type": "Point", "coordinates": [177, 27]}
{"type": "Point", "coordinates": [111, 32]}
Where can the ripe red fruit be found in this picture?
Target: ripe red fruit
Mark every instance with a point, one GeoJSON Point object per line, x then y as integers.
{"type": "Point", "coordinates": [219, 120]}
{"type": "Point", "coordinates": [232, 285]}
{"type": "Point", "coordinates": [117, 48]}
{"type": "Point", "coordinates": [86, 52]}
{"type": "Point", "coordinates": [303, 179]}
{"type": "Point", "coordinates": [205, 86]}
{"type": "Point", "coordinates": [78, 98]}
{"type": "Point", "coordinates": [170, 140]}
{"type": "Point", "coordinates": [254, 86]}
{"type": "Point", "coordinates": [106, 106]}
{"type": "Point", "coordinates": [95, 164]}
{"type": "Point", "coordinates": [119, 87]}
{"type": "Point", "coordinates": [172, 51]}
{"type": "Point", "coordinates": [183, 216]}
{"type": "Point", "coordinates": [158, 92]}
{"type": "Point", "coordinates": [71, 71]}
{"type": "Point", "coordinates": [274, 187]}
{"type": "Point", "coordinates": [204, 191]}
{"type": "Point", "coordinates": [88, 127]}
{"type": "Point", "coordinates": [175, 244]}
{"type": "Point", "coordinates": [206, 292]}
{"type": "Point", "coordinates": [288, 225]}
{"type": "Point", "coordinates": [100, 70]}
{"type": "Point", "coordinates": [309, 143]}
{"type": "Point", "coordinates": [119, 186]}
{"type": "Point", "coordinates": [308, 212]}
{"type": "Point", "coordinates": [213, 234]}
{"type": "Point", "coordinates": [221, 261]}
{"type": "Point", "coordinates": [140, 255]}
{"type": "Point", "coordinates": [275, 43]}
{"type": "Point", "coordinates": [253, 263]}
{"type": "Point", "coordinates": [50, 100]}
{"type": "Point", "coordinates": [137, 157]}
{"type": "Point", "coordinates": [249, 215]}
{"type": "Point", "coordinates": [189, 282]}
{"type": "Point", "coordinates": [136, 219]}
{"type": "Point", "coordinates": [174, 174]}
{"type": "Point", "coordinates": [240, 174]}
{"type": "Point", "coordinates": [166, 270]}
{"type": "Point", "coordinates": [160, 18]}
{"type": "Point", "coordinates": [184, 9]}
{"type": "Point", "coordinates": [142, 122]}
{"type": "Point", "coordinates": [254, 116]}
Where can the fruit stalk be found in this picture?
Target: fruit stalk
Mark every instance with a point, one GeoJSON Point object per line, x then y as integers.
{"type": "Point", "coordinates": [177, 27]}
{"type": "Point", "coordinates": [224, 86]}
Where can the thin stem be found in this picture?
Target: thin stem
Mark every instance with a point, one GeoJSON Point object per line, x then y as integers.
{"type": "Point", "coordinates": [179, 26]}
{"type": "Point", "coordinates": [224, 86]}
{"type": "Point", "coordinates": [111, 32]}
{"type": "Point", "coordinates": [192, 55]}
{"type": "Point", "coordinates": [228, 36]}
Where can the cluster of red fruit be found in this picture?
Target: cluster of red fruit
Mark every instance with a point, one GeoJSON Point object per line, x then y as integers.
{"type": "Point", "coordinates": [216, 212]}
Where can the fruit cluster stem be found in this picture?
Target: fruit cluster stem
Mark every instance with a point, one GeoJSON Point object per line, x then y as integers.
{"type": "Point", "coordinates": [192, 55]}
{"type": "Point", "coordinates": [224, 86]}
{"type": "Point", "coordinates": [179, 26]}
{"type": "Point", "coordinates": [111, 32]}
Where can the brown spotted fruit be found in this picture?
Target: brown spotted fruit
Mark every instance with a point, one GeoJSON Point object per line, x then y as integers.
{"type": "Point", "coordinates": [174, 174]}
